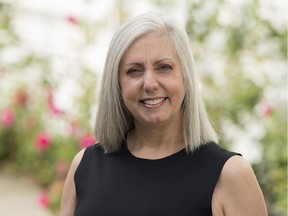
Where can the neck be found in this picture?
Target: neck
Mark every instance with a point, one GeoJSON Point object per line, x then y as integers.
{"type": "Point", "coordinates": [155, 141]}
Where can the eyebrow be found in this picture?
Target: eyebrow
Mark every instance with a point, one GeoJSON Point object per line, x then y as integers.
{"type": "Point", "coordinates": [134, 64]}
{"type": "Point", "coordinates": [140, 64]}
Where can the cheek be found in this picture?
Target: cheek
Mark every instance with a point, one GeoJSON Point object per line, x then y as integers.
{"type": "Point", "coordinates": [129, 92]}
{"type": "Point", "coordinates": [177, 88]}
{"type": "Point", "coordinates": [130, 100]}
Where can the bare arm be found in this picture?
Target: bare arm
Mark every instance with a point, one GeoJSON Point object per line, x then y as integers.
{"type": "Point", "coordinates": [237, 192]}
{"type": "Point", "coordinates": [68, 200]}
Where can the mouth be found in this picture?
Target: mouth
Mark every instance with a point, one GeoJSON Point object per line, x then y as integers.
{"type": "Point", "coordinates": [153, 102]}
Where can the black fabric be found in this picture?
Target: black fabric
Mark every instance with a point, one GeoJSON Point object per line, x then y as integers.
{"type": "Point", "coordinates": [122, 184]}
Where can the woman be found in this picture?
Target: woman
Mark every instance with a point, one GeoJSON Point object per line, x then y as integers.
{"type": "Point", "coordinates": [157, 151]}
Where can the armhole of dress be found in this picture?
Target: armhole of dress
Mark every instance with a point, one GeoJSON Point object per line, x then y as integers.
{"type": "Point", "coordinates": [227, 157]}
{"type": "Point", "coordinates": [81, 167]}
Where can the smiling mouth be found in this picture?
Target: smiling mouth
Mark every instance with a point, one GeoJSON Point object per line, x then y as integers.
{"type": "Point", "coordinates": [152, 101]}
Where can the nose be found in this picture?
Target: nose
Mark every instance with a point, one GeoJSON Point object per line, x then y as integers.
{"type": "Point", "coordinates": [150, 80]}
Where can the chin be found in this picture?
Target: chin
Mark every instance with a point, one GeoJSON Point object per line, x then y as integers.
{"type": "Point", "coordinates": [156, 120]}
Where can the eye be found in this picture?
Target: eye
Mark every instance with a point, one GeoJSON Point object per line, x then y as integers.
{"type": "Point", "coordinates": [134, 70]}
{"type": "Point", "coordinates": [164, 67]}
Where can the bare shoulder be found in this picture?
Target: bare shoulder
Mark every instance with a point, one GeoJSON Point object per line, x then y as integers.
{"type": "Point", "coordinates": [237, 167]}
{"type": "Point", "coordinates": [237, 191]}
{"type": "Point", "coordinates": [68, 200]}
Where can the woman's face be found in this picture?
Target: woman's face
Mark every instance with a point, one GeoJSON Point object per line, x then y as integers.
{"type": "Point", "coordinates": [151, 80]}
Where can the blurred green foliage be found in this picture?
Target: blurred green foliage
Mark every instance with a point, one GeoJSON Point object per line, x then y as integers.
{"type": "Point", "coordinates": [37, 138]}
{"type": "Point", "coordinates": [242, 98]}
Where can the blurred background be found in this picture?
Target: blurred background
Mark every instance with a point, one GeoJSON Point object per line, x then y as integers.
{"type": "Point", "coordinates": [51, 59]}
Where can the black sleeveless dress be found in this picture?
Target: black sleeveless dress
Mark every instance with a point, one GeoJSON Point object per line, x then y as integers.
{"type": "Point", "coordinates": [121, 184]}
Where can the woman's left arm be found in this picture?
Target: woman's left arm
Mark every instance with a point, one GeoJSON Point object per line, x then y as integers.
{"type": "Point", "coordinates": [237, 192]}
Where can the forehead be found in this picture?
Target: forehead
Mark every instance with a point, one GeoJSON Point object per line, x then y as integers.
{"type": "Point", "coordinates": [152, 44]}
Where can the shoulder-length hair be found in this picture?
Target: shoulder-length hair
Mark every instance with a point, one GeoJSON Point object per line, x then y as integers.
{"type": "Point", "coordinates": [113, 120]}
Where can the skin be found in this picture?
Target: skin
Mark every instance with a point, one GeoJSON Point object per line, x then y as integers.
{"type": "Point", "coordinates": [152, 86]}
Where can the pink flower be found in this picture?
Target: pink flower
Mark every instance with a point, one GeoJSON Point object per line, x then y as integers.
{"type": "Point", "coordinates": [7, 118]}
{"type": "Point", "coordinates": [42, 141]}
{"type": "Point", "coordinates": [71, 19]}
{"type": "Point", "coordinates": [43, 200]}
{"type": "Point", "coordinates": [266, 110]}
{"type": "Point", "coordinates": [51, 104]}
{"type": "Point", "coordinates": [87, 140]}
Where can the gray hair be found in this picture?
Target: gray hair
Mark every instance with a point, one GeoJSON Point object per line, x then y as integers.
{"type": "Point", "coordinates": [114, 120]}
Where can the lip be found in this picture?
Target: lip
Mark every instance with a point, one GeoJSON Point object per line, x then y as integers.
{"type": "Point", "coordinates": [153, 102]}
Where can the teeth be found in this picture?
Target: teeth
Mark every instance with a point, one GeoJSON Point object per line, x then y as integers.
{"type": "Point", "coordinates": [153, 102]}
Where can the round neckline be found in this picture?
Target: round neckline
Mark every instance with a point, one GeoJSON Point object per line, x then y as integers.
{"type": "Point", "coordinates": [156, 159]}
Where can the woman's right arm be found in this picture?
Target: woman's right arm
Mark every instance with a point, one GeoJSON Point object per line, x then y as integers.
{"type": "Point", "coordinates": [68, 200]}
